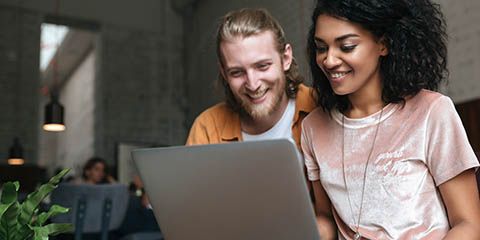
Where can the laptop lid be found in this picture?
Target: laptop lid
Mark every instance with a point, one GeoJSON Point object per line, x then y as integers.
{"type": "Point", "coordinates": [244, 190]}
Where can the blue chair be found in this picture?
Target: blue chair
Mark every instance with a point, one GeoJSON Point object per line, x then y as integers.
{"type": "Point", "coordinates": [93, 208]}
{"type": "Point", "coordinates": [96, 209]}
{"type": "Point", "coordinates": [144, 236]}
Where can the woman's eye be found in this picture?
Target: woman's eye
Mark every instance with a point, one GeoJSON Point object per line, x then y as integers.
{"type": "Point", "coordinates": [348, 48]}
{"type": "Point", "coordinates": [321, 49]}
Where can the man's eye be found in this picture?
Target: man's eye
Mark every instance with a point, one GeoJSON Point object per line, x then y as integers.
{"type": "Point", "coordinates": [263, 66]}
{"type": "Point", "coordinates": [348, 48]}
{"type": "Point", "coordinates": [235, 73]}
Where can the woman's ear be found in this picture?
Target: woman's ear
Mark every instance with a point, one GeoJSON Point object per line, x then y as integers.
{"type": "Point", "coordinates": [383, 47]}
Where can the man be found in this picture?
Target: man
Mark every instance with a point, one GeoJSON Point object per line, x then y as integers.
{"type": "Point", "coordinates": [264, 95]}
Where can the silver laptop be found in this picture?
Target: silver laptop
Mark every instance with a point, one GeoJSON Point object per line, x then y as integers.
{"type": "Point", "coordinates": [248, 190]}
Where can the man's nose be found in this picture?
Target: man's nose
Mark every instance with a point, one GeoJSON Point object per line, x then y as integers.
{"type": "Point", "coordinates": [253, 81]}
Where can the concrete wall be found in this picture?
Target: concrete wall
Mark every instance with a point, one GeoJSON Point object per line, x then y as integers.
{"type": "Point", "coordinates": [76, 144]}
{"type": "Point", "coordinates": [463, 48]}
{"type": "Point", "coordinates": [140, 93]}
{"type": "Point", "coordinates": [143, 14]}
{"type": "Point", "coordinates": [19, 81]}
{"type": "Point", "coordinates": [138, 80]}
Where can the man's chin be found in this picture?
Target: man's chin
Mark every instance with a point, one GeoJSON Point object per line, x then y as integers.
{"type": "Point", "coordinates": [259, 112]}
{"type": "Point", "coordinates": [256, 115]}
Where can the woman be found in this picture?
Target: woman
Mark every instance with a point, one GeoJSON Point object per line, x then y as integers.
{"type": "Point", "coordinates": [388, 156]}
{"type": "Point", "coordinates": [95, 172]}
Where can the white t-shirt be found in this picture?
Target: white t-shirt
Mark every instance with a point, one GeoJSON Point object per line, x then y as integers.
{"type": "Point", "coordinates": [282, 129]}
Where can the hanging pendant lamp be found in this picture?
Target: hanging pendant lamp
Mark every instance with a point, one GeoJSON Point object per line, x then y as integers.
{"type": "Point", "coordinates": [54, 115]}
{"type": "Point", "coordinates": [54, 110]}
{"type": "Point", "coordinates": [15, 153]}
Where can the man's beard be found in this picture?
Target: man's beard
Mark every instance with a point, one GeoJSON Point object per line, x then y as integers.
{"type": "Point", "coordinates": [259, 111]}
{"type": "Point", "coordinates": [265, 109]}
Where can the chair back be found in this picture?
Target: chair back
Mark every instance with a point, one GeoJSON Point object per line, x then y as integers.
{"type": "Point", "coordinates": [93, 208]}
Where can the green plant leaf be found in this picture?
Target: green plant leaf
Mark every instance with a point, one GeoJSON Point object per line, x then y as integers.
{"type": "Point", "coordinates": [53, 211]}
{"type": "Point", "coordinates": [8, 209]}
{"type": "Point", "coordinates": [15, 218]}
{"type": "Point", "coordinates": [42, 233]}
{"type": "Point", "coordinates": [33, 199]}
{"type": "Point", "coordinates": [9, 221]}
{"type": "Point", "coordinates": [9, 192]}
{"type": "Point", "coordinates": [3, 209]}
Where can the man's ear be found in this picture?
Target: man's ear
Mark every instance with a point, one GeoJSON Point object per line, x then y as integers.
{"type": "Point", "coordinates": [287, 57]}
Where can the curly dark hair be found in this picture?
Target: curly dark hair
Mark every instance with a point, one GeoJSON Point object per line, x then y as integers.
{"type": "Point", "coordinates": [414, 32]}
{"type": "Point", "coordinates": [91, 162]}
{"type": "Point", "coordinates": [248, 22]}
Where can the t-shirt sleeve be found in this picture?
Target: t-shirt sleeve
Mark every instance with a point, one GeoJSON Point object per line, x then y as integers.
{"type": "Point", "coordinates": [448, 151]}
{"type": "Point", "coordinates": [313, 172]}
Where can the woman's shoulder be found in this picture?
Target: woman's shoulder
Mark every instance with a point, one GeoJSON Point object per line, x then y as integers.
{"type": "Point", "coordinates": [317, 115]}
{"type": "Point", "coordinates": [427, 99]}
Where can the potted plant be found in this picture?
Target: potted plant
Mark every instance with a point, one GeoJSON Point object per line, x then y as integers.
{"type": "Point", "coordinates": [22, 221]}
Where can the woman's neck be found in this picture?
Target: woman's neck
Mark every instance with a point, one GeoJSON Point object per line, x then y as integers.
{"type": "Point", "coordinates": [363, 104]}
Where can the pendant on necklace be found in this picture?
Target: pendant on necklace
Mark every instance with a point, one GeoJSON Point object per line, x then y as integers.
{"type": "Point", "coordinates": [357, 236]}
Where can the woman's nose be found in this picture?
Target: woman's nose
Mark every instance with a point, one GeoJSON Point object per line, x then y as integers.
{"type": "Point", "coordinates": [331, 60]}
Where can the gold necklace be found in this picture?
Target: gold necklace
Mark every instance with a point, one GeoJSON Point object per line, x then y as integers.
{"type": "Point", "coordinates": [357, 236]}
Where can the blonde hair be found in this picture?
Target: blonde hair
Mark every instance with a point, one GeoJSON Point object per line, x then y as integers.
{"type": "Point", "coordinates": [245, 23]}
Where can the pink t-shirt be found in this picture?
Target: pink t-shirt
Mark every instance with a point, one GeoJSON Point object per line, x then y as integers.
{"type": "Point", "coordinates": [419, 146]}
